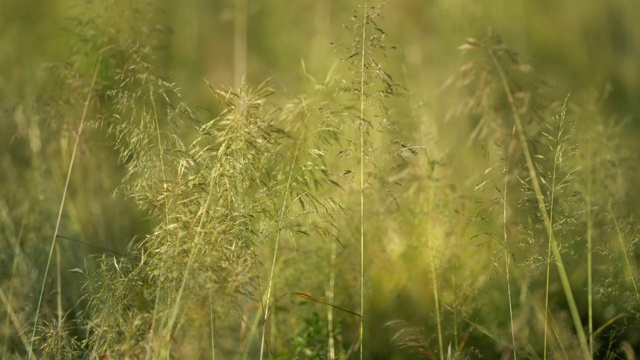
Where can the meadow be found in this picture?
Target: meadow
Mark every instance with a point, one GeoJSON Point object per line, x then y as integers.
{"type": "Point", "coordinates": [319, 179]}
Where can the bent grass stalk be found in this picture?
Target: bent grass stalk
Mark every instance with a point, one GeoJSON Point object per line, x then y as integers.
{"type": "Point", "coordinates": [553, 243]}
{"type": "Point", "coordinates": [62, 201]}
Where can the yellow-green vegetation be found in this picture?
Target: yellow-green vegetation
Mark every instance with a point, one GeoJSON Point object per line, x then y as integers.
{"type": "Point", "coordinates": [319, 180]}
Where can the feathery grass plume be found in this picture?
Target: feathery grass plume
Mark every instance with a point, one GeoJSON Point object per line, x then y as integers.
{"type": "Point", "coordinates": [53, 108]}
{"type": "Point", "coordinates": [222, 199]}
{"type": "Point", "coordinates": [166, 177]}
{"type": "Point", "coordinates": [488, 115]}
{"type": "Point", "coordinates": [117, 313]}
{"type": "Point", "coordinates": [302, 184]}
{"type": "Point", "coordinates": [503, 90]}
{"type": "Point", "coordinates": [306, 190]}
{"type": "Point", "coordinates": [485, 106]}
{"type": "Point", "coordinates": [556, 170]}
{"type": "Point", "coordinates": [317, 194]}
{"type": "Point", "coordinates": [409, 337]}
{"type": "Point", "coordinates": [246, 177]}
{"type": "Point", "coordinates": [57, 227]}
{"type": "Point", "coordinates": [370, 84]}
{"type": "Point", "coordinates": [214, 199]}
{"type": "Point", "coordinates": [206, 198]}
{"type": "Point", "coordinates": [612, 284]}
{"type": "Point", "coordinates": [56, 340]}
{"type": "Point", "coordinates": [487, 111]}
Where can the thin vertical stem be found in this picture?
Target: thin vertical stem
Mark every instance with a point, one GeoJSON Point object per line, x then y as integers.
{"type": "Point", "coordinates": [213, 327]}
{"type": "Point", "coordinates": [276, 246]}
{"type": "Point", "coordinates": [59, 284]}
{"type": "Point", "coordinates": [11, 316]}
{"type": "Point", "coordinates": [436, 298]}
{"type": "Point", "coordinates": [590, 261]}
{"type": "Point", "coordinates": [564, 278]}
{"type": "Point", "coordinates": [362, 136]}
{"type": "Point", "coordinates": [506, 251]}
{"type": "Point", "coordinates": [156, 123]}
{"type": "Point", "coordinates": [239, 42]}
{"type": "Point", "coordinates": [434, 278]}
{"type": "Point", "coordinates": [64, 196]}
{"type": "Point", "coordinates": [623, 247]}
{"type": "Point", "coordinates": [330, 294]}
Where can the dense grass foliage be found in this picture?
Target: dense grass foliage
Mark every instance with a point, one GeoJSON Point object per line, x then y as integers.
{"type": "Point", "coordinates": [319, 180]}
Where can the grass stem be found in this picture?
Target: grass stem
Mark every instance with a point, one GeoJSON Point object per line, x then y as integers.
{"type": "Point", "coordinates": [275, 247]}
{"type": "Point", "coordinates": [564, 278]}
{"type": "Point", "coordinates": [505, 239]}
{"type": "Point", "coordinates": [62, 201]}
{"type": "Point", "coordinates": [363, 52]}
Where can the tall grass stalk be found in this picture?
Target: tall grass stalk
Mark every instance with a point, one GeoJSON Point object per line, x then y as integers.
{"type": "Point", "coordinates": [156, 123]}
{"type": "Point", "coordinates": [213, 327]}
{"type": "Point", "coordinates": [436, 298]}
{"type": "Point", "coordinates": [239, 42]}
{"type": "Point", "coordinates": [276, 246]}
{"type": "Point", "coordinates": [363, 52]}
{"type": "Point", "coordinates": [589, 259]}
{"type": "Point", "coordinates": [62, 201]}
{"type": "Point", "coordinates": [58, 283]}
{"type": "Point", "coordinates": [505, 239]}
{"type": "Point", "coordinates": [14, 320]}
{"type": "Point", "coordinates": [564, 278]}
{"type": "Point", "coordinates": [557, 154]}
{"type": "Point", "coordinates": [625, 253]}
{"type": "Point", "coordinates": [194, 251]}
{"type": "Point", "coordinates": [331, 350]}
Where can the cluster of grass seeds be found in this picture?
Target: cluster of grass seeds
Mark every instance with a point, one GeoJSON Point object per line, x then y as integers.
{"type": "Point", "coordinates": [213, 198]}
{"type": "Point", "coordinates": [254, 173]}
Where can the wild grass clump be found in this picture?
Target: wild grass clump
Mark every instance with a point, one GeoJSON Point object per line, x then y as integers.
{"type": "Point", "coordinates": [348, 218]}
{"type": "Point", "coordinates": [251, 174]}
{"type": "Point", "coordinates": [537, 221]}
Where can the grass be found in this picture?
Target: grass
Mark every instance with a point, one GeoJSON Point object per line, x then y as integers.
{"type": "Point", "coordinates": [392, 199]}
